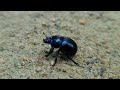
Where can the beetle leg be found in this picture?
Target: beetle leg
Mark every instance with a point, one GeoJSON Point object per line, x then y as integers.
{"type": "Point", "coordinates": [51, 50]}
{"type": "Point", "coordinates": [56, 57]}
{"type": "Point", "coordinates": [73, 61]}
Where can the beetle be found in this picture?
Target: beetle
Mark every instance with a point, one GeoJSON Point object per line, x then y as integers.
{"type": "Point", "coordinates": [66, 45]}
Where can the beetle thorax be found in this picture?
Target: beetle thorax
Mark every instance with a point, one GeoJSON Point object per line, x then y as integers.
{"type": "Point", "coordinates": [55, 42]}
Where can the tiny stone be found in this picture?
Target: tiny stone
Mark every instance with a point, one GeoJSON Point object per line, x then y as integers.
{"type": "Point", "coordinates": [38, 69]}
{"type": "Point", "coordinates": [52, 62]}
{"type": "Point", "coordinates": [44, 24]}
{"type": "Point", "coordinates": [44, 75]}
{"type": "Point", "coordinates": [83, 22]}
{"type": "Point", "coordinates": [53, 19]}
{"type": "Point", "coordinates": [21, 47]}
{"type": "Point", "coordinates": [64, 70]}
{"type": "Point", "coordinates": [25, 59]}
{"type": "Point", "coordinates": [2, 61]}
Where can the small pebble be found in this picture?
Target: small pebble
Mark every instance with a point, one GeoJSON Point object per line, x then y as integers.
{"type": "Point", "coordinates": [52, 62]}
{"type": "Point", "coordinates": [25, 58]}
{"type": "Point", "coordinates": [83, 22]}
{"type": "Point", "coordinates": [53, 19]}
{"type": "Point", "coordinates": [2, 61]}
{"type": "Point", "coordinates": [44, 75]}
{"type": "Point", "coordinates": [38, 69]}
{"type": "Point", "coordinates": [21, 47]}
{"type": "Point", "coordinates": [44, 24]}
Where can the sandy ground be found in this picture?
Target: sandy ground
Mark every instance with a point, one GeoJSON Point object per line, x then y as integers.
{"type": "Point", "coordinates": [22, 51]}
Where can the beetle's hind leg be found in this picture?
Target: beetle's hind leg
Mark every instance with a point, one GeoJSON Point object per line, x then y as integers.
{"type": "Point", "coordinates": [74, 61]}
{"type": "Point", "coordinates": [50, 52]}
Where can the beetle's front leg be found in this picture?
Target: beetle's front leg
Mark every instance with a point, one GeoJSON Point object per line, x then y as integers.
{"type": "Point", "coordinates": [51, 50]}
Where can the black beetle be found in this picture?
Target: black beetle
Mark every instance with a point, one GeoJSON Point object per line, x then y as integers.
{"type": "Point", "coordinates": [66, 45]}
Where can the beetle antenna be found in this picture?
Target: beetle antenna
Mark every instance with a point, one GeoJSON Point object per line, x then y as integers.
{"type": "Point", "coordinates": [45, 34]}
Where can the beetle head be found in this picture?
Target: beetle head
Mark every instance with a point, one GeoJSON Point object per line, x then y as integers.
{"type": "Point", "coordinates": [47, 39]}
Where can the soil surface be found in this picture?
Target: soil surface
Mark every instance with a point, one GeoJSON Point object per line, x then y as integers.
{"type": "Point", "coordinates": [22, 51]}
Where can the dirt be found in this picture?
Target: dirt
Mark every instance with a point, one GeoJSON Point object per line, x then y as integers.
{"type": "Point", "coordinates": [22, 51]}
